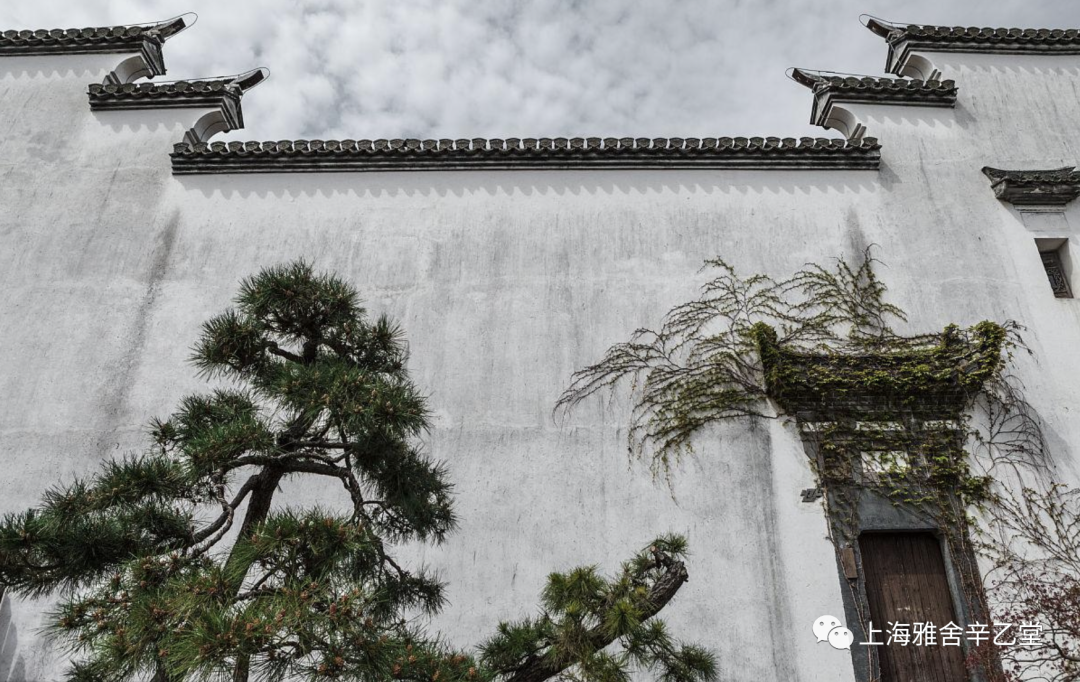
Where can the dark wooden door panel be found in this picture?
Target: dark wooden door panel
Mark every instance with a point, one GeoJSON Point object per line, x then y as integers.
{"type": "Point", "coordinates": [906, 583]}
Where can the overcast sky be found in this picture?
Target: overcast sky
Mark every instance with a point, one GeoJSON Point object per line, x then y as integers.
{"type": "Point", "coordinates": [528, 68]}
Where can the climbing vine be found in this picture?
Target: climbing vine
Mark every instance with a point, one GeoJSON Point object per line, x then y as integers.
{"type": "Point", "coordinates": [925, 422]}
{"type": "Point", "coordinates": [703, 366]}
{"type": "Point", "coordinates": [1035, 548]}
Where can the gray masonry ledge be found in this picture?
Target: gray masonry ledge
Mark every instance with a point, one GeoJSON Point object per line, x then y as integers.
{"type": "Point", "coordinates": [1055, 187]}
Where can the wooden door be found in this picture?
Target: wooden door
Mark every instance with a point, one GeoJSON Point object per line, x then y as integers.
{"type": "Point", "coordinates": [906, 583]}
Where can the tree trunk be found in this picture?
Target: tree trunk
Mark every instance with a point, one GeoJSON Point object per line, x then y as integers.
{"type": "Point", "coordinates": [257, 510]}
{"type": "Point", "coordinates": [259, 505]}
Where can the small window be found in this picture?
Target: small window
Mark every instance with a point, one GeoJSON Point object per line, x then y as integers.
{"type": "Point", "coordinates": [1057, 263]}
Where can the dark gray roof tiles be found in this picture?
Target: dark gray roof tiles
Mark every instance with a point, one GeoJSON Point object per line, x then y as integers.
{"type": "Point", "coordinates": [184, 93]}
{"type": "Point", "coordinates": [905, 38]}
{"type": "Point", "coordinates": [84, 40]}
{"type": "Point", "coordinates": [980, 39]}
{"type": "Point", "coordinates": [144, 39]}
{"type": "Point", "coordinates": [1054, 187]}
{"type": "Point", "coordinates": [828, 88]}
{"type": "Point", "coordinates": [193, 156]}
{"type": "Point", "coordinates": [522, 154]}
{"type": "Point", "coordinates": [873, 88]}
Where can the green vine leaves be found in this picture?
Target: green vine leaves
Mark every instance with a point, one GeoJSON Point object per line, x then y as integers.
{"type": "Point", "coordinates": [937, 423]}
{"type": "Point", "coordinates": [702, 366]}
{"type": "Point", "coordinates": [824, 328]}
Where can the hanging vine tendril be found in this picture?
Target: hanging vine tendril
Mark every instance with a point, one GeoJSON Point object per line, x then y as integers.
{"type": "Point", "coordinates": [931, 422]}
{"type": "Point", "coordinates": [702, 365]}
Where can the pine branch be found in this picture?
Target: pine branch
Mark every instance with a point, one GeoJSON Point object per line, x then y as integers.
{"type": "Point", "coordinates": [299, 594]}
{"type": "Point", "coordinates": [585, 615]}
{"type": "Point", "coordinates": [274, 349]}
{"type": "Point", "coordinates": [538, 667]}
{"type": "Point", "coordinates": [205, 533]}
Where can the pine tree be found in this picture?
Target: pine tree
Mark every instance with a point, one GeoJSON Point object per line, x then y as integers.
{"type": "Point", "coordinates": [177, 564]}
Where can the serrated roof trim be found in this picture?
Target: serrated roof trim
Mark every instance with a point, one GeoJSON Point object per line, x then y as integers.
{"type": "Point", "coordinates": [145, 39]}
{"type": "Point", "coordinates": [829, 88]}
{"type": "Point", "coordinates": [211, 92]}
{"type": "Point", "coordinates": [903, 39]}
{"type": "Point", "coordinates": [522, 154]}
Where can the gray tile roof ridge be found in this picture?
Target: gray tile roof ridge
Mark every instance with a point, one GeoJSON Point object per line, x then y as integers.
{"type": "Point", "coordinates": [847, 82]}
{"type": "Point", "coordinates": [585, 153]}
{"type": "Point", "coordinates": [893, 32]}
{"type": "Point", "coordinates": [829, 87]}
{"type": "Point", "coordinates": [235, 85]}
{"type": "Point", "coordinates": [611, 145]}
{"type": "Point", "coordinates": [1064, 174]}
{"type": "Point", "coordinates": [1035, 187]}
{"type": "Point", "coordinates": [95, 39]}
{"type": "Point", "coordinates": [905, 39]}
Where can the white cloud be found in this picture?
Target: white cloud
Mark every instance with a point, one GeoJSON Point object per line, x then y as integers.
{"type": "Point", "coordinates": [516, 68]}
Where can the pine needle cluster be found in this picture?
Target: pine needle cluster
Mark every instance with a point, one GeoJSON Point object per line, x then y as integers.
{"type": "Point", "coordinates": [177, 564]}
{"type": "Point", "coordinates": [584, 613]}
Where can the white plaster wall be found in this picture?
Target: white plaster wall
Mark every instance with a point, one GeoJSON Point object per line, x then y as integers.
{"type": "Point", "coordinates": [506, 282]}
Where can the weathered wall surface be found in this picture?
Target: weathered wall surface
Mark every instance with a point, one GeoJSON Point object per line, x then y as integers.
{"type": "Point", "coordinates": [506, 282]}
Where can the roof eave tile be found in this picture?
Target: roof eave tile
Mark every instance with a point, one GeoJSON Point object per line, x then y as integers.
{"type": "Point", "coordinates": [831, 89]}
{"type": "Point", "coordinates": [1054, 187]}
{"type": "Point", "coordinates": [145, 39]}
{"type": "Point", "coordinates": [525, 154]}
{"type": "Point", "coordinates": [906, 39]}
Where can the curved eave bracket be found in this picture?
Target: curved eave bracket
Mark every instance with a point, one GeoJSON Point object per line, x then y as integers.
{"type": "Point", "coordinates": [893, 34]}
{"type": "Point", "coordinates": [830, 89]}
{"type": "Point", "coordinates": [221, 94]}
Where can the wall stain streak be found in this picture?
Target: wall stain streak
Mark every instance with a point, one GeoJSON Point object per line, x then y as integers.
{"type": "Point", "coordinates": [115, 407]}
{"type": "Point", "coordinates": [774, 575]}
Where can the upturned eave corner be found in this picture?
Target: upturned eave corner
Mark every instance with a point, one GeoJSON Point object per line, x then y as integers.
{"type": "Point", "coordinates": [1055, 187]}
{"type": "Point", "coordinates": [221, 94]}
{"type": "Point", "coordinates": [144, 41]}
{"type": "Point", "coordinates": [935, 377]}
{"type": "Point", "coordinates": [907, 42]}
{"type": "Point", "coordinates": [831, 88]}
